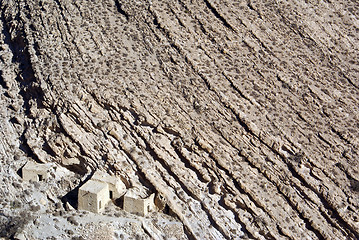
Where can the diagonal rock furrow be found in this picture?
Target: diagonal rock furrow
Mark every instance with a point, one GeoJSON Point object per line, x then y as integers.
{"type": "Point", "coordinates": [241, 116]}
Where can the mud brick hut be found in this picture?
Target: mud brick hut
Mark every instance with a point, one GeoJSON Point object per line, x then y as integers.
{"type": "Point", "coordinates": [98, 191]}
{"type": "Point", "coordinates": [93, 196]}
{"type": "Point", "coordinates": [35, 171]}
{"type": "Point", "coordinates": [137, 204]}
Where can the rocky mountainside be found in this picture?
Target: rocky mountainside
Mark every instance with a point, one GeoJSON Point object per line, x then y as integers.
{"type": "Point", "coordinates": [242, 115]}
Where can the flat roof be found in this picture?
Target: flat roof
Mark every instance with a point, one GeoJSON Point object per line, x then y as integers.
{"type": "Point", "coordinates": [105, 177]}
{"type": "Point", "coordinates": [93, 186]}
{"type": "Point", "coordinates": [36, 166]}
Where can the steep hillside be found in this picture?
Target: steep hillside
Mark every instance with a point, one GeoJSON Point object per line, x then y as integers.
{"type": "Point", "coordinates": [243, 115]}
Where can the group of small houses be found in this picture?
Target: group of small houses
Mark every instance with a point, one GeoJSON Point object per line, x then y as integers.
{"type": "Point", "coordinates": [98, 191]}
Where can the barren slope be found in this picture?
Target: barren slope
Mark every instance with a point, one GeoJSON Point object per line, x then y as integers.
{"type": "Point", "coordinates": [243, 114]}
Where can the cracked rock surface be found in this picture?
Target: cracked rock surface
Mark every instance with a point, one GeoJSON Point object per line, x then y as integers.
{"type": "Point", "coordinates": [242, 115]}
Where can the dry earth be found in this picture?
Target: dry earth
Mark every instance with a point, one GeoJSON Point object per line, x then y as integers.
{"type": "Point", "coordinates": [244, 115]}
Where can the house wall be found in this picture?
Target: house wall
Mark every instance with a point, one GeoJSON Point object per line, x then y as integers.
{"type": "Point", "coordinates": [32, 174]}
{"type": "Point", "coordinates": [133, 205]}
{"type": "Point", "coordinates": [104, 197]}
{"type": "Point", "coordinates": [87, 201]}
{"type": "Point", "coordinates": [138, 206]}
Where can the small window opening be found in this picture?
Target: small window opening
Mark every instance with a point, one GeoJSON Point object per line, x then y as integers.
{"type": "Point", "coordinates": [148, 208]}
{"type": "Point", "coordinates": [111, 194]}
{"type": "Point", "coordinates": [99, 204]}
{"type": "Point", "coordinates": [167, 209]}
{"type": "Point", "coordinates": [40, 177]}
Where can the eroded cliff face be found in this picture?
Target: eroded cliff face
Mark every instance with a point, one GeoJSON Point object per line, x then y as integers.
{"type": "Point", "coordinates": [243, 115]}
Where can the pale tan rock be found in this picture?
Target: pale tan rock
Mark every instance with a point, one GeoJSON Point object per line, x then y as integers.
{"type": "Point", "coordinates": [242, 115]}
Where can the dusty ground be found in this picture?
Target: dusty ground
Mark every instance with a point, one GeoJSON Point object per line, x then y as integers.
{"type": "Point", "coordinates": [244, 115]}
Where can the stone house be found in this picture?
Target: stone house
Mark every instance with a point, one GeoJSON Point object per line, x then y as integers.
{"type": "Point", "coordinates": [133, 202]}
{"type": "Point", "coordinates": [98, 191]}
{"type": "Point", "coordinates": [93, 196]}
{"type": "Point", "coordinates": [35, 171]}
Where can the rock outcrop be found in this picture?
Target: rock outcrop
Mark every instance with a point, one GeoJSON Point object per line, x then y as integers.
{"type": "Point", "coordinates": [242, 115]}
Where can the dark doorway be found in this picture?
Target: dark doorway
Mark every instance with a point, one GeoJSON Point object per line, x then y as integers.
{"type": "Point", "coordinates": [111, 195]}
{"type": "Point", "coordinates": [40, 177]}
